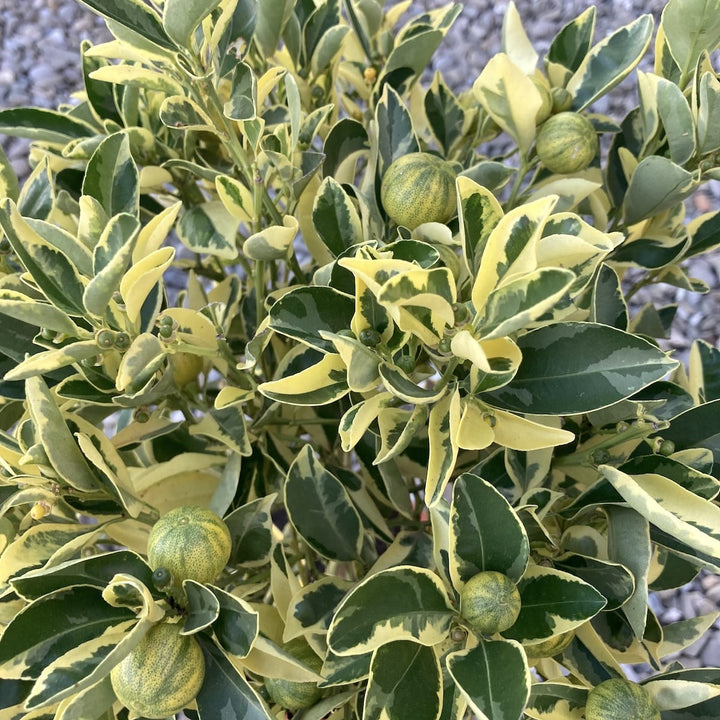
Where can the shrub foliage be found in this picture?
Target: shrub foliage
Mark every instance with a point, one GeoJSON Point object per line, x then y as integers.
{"type": "Point", "coordinates": [205, 303]}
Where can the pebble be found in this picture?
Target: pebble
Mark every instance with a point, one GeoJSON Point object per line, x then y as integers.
{"type": "Point", "coordinates": [39, 65]}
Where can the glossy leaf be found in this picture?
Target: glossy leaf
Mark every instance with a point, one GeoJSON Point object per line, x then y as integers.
{"type": "Point", "coordinates": [405, 683]}
{"type": "Point", "coordinates": [553, 602]}
{"type": "Point", "coordinates": [402, 603]}
{"type": "Point", "coordinates": [580, 383]}
{"type": "Point", "coordinates": [493, 677]}
{"type": "Point", "coordinates": [321, 510]}
{"type": "Point", "coordinates": [485, 532]}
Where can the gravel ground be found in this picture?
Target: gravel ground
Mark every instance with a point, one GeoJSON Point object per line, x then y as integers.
{"type": "Point", "coordinates": [39, 66]}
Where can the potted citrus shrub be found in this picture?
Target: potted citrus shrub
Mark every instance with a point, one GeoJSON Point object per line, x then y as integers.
{"type": "Point", "coordinates": [312, 405]}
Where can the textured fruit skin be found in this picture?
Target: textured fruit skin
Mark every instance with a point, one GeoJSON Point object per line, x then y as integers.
{"type": "Point", "coordinates": [550, 647]}
{"type": "Point", "coordinates": [185, 368]}
{"type": "Point", "coordinates": [161, 675]}
{"type": "Point", "coordinates": [620, 699]}
{"type": "Point", "coordinates": [192, 543]}
{"type": "Point", "coordinates": [296, 695]}
{"type": "Point", "coordinates": [419, 188]}
{"type": "Point", "coordinates": [490, 602]}
{"type": "Point", "coordinates": [566, 143]}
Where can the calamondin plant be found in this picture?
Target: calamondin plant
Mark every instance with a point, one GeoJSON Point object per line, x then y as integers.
{"type": "Point", "coordinates": [322, 392]}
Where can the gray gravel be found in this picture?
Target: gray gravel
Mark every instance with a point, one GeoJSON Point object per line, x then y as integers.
{"type": "Point", "coordinates": [39, 65]}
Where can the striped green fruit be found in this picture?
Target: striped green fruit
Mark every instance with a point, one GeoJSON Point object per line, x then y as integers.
{"type": "Point", "coordinates": [191, 543]}
{"type": "Point", "coordinates": [490, 602]}
{"type": "Point", "coordinates": [567, 143]}
{"type": "Point", "coordinates": [620, 699]}
{"type": "Point", "coordinates": [419, 188]}
{"type": "Point", "coordinates": [161, 675]}
{"type": "Point", "coordinates": [296, 695]}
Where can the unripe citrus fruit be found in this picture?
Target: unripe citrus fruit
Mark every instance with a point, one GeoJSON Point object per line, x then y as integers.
{"type": "Point", "coordinates": [419, 188]}
{"type": "Point", "coordinates": [620, 699]}
{"type": "Point", "coordinates": [567, 143]}
{"type": "Point", "coordinates": [191, 543]}
{"type": "Point", "coordinates": [490, 602]}
{"type": "Point", "coordinates": [185, 368]}
{"type": "Point", "coordinates": [161, 675]}
{"type": "Point", "coordinates": [296, 695]}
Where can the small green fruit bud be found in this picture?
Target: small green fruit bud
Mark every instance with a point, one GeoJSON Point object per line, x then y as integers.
{"type": "Point", "coordinates": [406, 364]}
{"type": "Point", "coordinates": [105, 339]}
{"type": "Point", "coordinates": [445, 345]}
{"type": "Point", "coordinates": [369, 337]}
{"type": "Point", "coordinates": [122, 341]}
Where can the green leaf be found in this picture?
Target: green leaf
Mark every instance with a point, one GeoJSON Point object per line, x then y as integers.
{"type": "Point", "coordinates": [272, 16]}
{"type": "Point", "coordinates": [111, 176]}
{"type": "Point", "coordinates": [629, 544]}
{"type": "Point", "coordinates": [95, 571]}
{"type": "Point", "coordinates": [581, 380]}
{"type": "Point", "coordinates": [251, 532]}
{"type": "Point", "coordinates": [656, 185]}
{"type": "Point", "coordinates": [40, 314]}
{"type": "Point", "coordinates": [479, 213]}
{"type": "Point", "coordinates": [493, 677]}
{"type": "Point", "coordinates": [677, 119]}
{"type": "Point", "coordinates": [203, 607]}
{"type": "Point", "coordinates": [209, 229]}
{"type": "Point", "coordinates": [181, 17]}
{"type": "Point", "coordinates": [111, 258]}
{"type": "Point", "coordinates": [312, 608]}
{"type": "Point", "coordinates": [237, 624]}
{"type": "Point", "coordinates": [321, 510]}
{"type": "Point", "coordinates": [304, 313]}
{"type": "Point", "coordinates": [53, 625]}
{"type": "Point", "coordinates": [319, 384]}
{"type": "Point", "coordinates": [674, 510]}
{"type": "Point", "coordinates": [38, 194]}
{"type": "Point", "coordinates": [345, 669]}
{"type": "Point", "coordinates": [44, 125]}
{"type": "Point", "coordinates": [511, 99]}
{"type": "Point", "coordinates": [608, 301]}
{"type": "Point", "coordinates": [444, 113]}
{"type": "Point", "coordinates": [691, 27]}
{"type": "Point", "coordinates": [485, 532]}
{"type": "Point", "coordinates": [519, 302]}
{"type": "Point", "coordinates": [179, 112]}
{"type": "Point", "coordinates": [708, 118]}
{"type": "Point", "coordinates": [51, 269]}
{"type": "Point", "coordinates": [9, 187]}
{"type": "Point", "coordinates": [553, 602]}
{"type": "Point", "coordinates": [398, 138]}
{"type": "Point", "coordinates": [556, 700]}
{"type": "Point", "coordinates": [335, 218]}
{"type": "Point", "coordinates": [569, 47]}
{"type": "Point", "coordinates": [402, 603]}
{"type": "Point", "coordinates": [136, 16]}
{"type": "Point", "coordinates": [225, 693]}
{"type": "Point", "coordinates": [56, 438]}
{"type": "Point", "coordinates": [39, 544]}
{"type": "Point", "coordinates": [443, 426]}
{"type": "Point", "coordinates": [242, 104]}
{"type": "Point", "coordinates": [609, 62]}
{"type": "Point", "coordinates": [405, 683]}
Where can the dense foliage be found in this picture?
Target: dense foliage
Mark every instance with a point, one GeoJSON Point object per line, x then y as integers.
{"type": "Point", "coordinates": [206, 304]}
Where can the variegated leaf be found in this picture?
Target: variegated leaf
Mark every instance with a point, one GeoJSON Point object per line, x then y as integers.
{"type": "Point", "coordinates": [321, 510]}
{"type": "Point", "coordinates": [319, 384]}
{"type": "Point", "coordinates": [493, 677]}
{"type": "Point", "coordinates": [312, 609]}
{"type": "Point", "coordinates": [479, 212]}
{"type": "Point", "coordinates": [485, 532]}
{"type": "Point", "coordinates": [671, 508]}
{"type": "Point", "coordinates": [443, 425]}
{"type": "Point", "coordinates": [510, 98]}
{"type": "Point", "coordinates": [251, 532]}
{"type": "Point", "coordinates": [556, 701]}
{"type": "Point", "coordinates": [43, 363]}
{"type": "Point", "coordinates": [402, 603]}
{"type": "Point", "coordinates": [209, 229]}
{"type": "Point", "coordinates": [405, 683]}
{"type": "Point", "coordinates": [140, 279]}
{"type": "Point", "coordinates": [553, 602]}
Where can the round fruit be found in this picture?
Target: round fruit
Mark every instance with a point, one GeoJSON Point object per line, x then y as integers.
{"type": "Point", "coordinates": [566, 143]}
{"type": "Point", "coordinates": [619, 699]}
{"type": "Point", "coordinates": [191, 543]}
{"type": "Point", "coordinates": [161, 675]}
{"type": "Point", "coordinates": [185, 368]}
{"type": "Point", "coordinates": [296, 695]}
{"type": "Point", "coordinates": [370, 337]}
{"type": "Point", "coordinates": [490, 602]}
{"type": "Point", "coordinates": [550, 647]}
{"type": "Point", "coordinates": [419, 188]}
